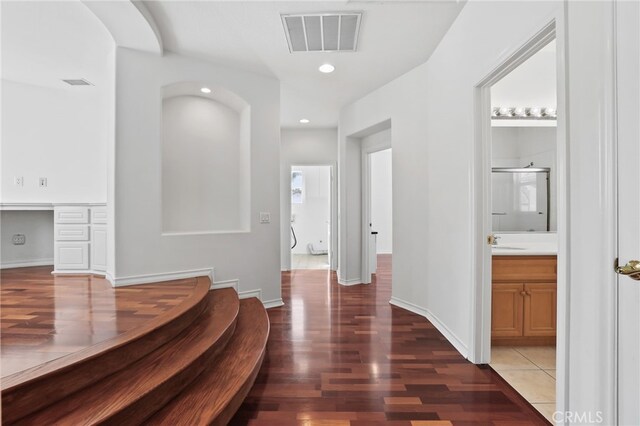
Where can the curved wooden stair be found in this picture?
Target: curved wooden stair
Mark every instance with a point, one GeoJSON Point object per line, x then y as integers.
{"type": "Point", "coordinates": [201, 372]}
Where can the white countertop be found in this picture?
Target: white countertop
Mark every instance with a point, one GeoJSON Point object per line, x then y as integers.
{"type": "Point", "coordinates": [526, 244]}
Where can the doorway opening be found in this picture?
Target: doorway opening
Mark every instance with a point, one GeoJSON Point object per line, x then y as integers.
{"type": "Point", "coordinates": [310, 217]}
{"type": "Point", "coordinates": [380, 212]}
{"type": "Point", "coordinates": [517, 327]}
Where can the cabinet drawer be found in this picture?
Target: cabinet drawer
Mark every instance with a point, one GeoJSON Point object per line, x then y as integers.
{"type": "Point", "coordinates": [99, 215]}
{"type": "Point", "coordinates": [524, 268]}
{"type": "Point", "coordinates": [71, 232]}
{"type": "Point", "coordinates": [71, 214]}
{"type": "Point", "coordinates": [71, 256]}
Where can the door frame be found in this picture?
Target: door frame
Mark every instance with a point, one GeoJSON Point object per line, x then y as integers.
{"type": "Point", "coordinates": [333, 210]}
{"type": "Point", "coordinates": [481, 226]}
{"type": "Point", "coordinates": [365, 159]}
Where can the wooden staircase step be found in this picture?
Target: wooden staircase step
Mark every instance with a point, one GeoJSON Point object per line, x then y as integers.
{"type": "Point", "coordinates": [217, 394]}
{"type": "Point", "coordinates": [132, 394]}
{"type": "Point", "coordinates": [26, 392]}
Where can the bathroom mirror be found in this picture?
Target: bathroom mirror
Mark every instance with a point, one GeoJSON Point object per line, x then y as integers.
{"type": "Point", "coordinates": [521, 199]}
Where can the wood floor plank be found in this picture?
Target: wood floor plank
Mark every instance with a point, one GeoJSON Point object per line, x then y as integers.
{"type": "Point", "coordinates": [344, 355]}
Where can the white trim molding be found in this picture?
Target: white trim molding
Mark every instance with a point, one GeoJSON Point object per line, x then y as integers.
{"type": "Point", "coordinates": [26, 263]}
{"type": "Point", "coordinates": [251, 293]}
{"type": "Point", "coordinates": [225, 284]}
{"type": "Point", "coordinates": [353, 281]}
{"type": "Point", "coordinates": [257, 293]}
{"type": "Point", "coordinates": [160, 277]}
{"type": "Point", "coordinates": [268, 304]}
{"type": "Point", "coordinates": [439, 325]}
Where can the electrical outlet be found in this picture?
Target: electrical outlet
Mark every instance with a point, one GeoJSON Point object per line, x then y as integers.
{"type": "Point", "coordinates": [265, 217]}
{"type": "Point", "coordinates": [42, 182]}
{"type": "Point", "coordinates": [18, 181]}
{"type": "Point", "coordinates": [18, 239]}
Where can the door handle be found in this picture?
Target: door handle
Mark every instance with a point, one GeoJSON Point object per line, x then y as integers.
{"type": "Point", "coordinates": [631, 269]}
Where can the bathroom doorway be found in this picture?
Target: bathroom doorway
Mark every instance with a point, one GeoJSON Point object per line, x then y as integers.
{"type": "Point", "coordinates": [310, 217]}
{"type": "Point", "coordinates": [520, 165]}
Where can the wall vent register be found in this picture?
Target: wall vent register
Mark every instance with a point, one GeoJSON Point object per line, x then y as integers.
{"type": "Point", "coordinates": [322, 32]}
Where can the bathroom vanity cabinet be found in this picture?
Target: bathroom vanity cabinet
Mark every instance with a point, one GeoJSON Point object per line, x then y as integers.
{"type": "Point", "coordinates": [523, 300]}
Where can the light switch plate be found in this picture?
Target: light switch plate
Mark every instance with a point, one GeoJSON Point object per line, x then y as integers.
{"type": "Point", "coordinates": [265, 217]}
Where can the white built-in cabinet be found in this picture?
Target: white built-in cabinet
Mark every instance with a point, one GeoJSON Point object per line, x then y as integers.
{"type": "Point", "coordinates": [80, 239]}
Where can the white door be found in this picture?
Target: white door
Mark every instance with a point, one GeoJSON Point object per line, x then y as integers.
{"type": "Point", "coordinates": [628, 108]}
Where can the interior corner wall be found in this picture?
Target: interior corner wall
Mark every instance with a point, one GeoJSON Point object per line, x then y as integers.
{"type": "Point", "coordinates": [141, 249]}
{"type": "Point", "coordinates": [304, 147]}
{"type": "Point", "coordinates": [431, 108]}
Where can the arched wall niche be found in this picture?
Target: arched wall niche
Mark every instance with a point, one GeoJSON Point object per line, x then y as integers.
{"type": "Point", "coordinates": [205, 160]}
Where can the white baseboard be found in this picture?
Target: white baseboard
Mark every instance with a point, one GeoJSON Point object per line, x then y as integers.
{"type": "Point", "coordinates": [225, 284]}
{"type": "Point", "coordinates": [163, 276]}
{"type": "Point", "coordinates": [450, 336]}
{"type": "Point", "coordinates": [352, 281]}
{"type": "Point", "coordinates": [257, 293]}
{"type": "Point", "coordinates": [272, 303]}
{"type": "Point", "coordinates": [250, 293]}
{"type": "Point", "coordinates": [79, 272]}
{"type": "Point", "coordinates": [26, 263]}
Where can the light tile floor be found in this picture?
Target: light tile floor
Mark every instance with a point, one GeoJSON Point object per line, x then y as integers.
{"type": "Point", "coordinates": [309, 261]}
{"type": "Point", "coordinates": [531, 370]}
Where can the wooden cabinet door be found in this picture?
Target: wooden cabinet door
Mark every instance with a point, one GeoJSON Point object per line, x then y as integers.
{"type": "Point", "coordinates": [507, 310]}
{"type": "Point", "coordinates": [540, 309]}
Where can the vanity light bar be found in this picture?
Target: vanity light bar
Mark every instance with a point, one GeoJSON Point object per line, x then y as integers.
{"type": "Point", "coordinates": [523, 113]}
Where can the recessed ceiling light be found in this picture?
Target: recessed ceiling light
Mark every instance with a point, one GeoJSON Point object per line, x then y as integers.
{"type": "Point", "coordinates": [326, 68]}
{"type": "Point", "coordinates": [205, 90]}
{"type": "Point", "coordinates": [304, 120]}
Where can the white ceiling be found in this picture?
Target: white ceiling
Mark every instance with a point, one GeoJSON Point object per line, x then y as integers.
{"type": "Point", "coordinates": [45, 42]}
{"type": "Point", "coordinates": [394, 37]}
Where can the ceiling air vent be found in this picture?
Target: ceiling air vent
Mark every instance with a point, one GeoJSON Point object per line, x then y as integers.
{"type": "Point", "coordinates": [322, 32]}
{"type": "Point", "coordinates": [78, 82]}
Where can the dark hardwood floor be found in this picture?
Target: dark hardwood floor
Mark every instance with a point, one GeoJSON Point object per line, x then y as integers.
{"type": "Point", "coordinates": [343, 356]}
{"type": "Point", "coordinates": [45, 317]}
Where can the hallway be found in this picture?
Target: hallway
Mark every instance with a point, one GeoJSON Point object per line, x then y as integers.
{"type": "Point", "coordinates": [344, 356]}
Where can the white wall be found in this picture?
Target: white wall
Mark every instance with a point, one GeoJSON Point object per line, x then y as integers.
{"type": "Point", "coordinates": [51, 129]}
{"type": "Point", "coordinates": [312, 216]}
{"type": "Point", "coordinates": [381, 200]}
{"type": "Point", "coordinates": [57, 133]}
{"type": "Point", "coordinates": [37, 227]}
{"type": "Point", "coordinates": [140, 246]}
{"type": "Point", "coordinates": [431, 111]}
{"type": "Point", "coordinates": [200, 166]}
{"type": "Point", "coordinates": [519, 146]}
{"type": "Point", "coordinates": [304, 147]}
{"type": "Point", "coordinates": [532, 84]}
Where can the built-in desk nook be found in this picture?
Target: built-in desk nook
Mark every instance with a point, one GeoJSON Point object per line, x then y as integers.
{"type": "Point", "coordinates": [79, 235]}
